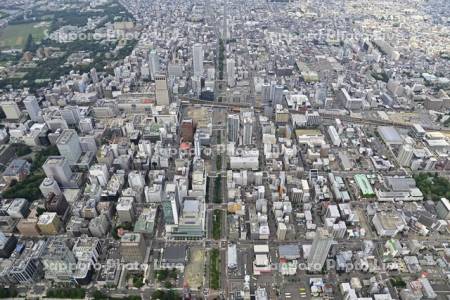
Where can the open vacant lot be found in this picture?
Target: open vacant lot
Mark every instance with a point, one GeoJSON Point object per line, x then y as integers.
{"type": "Point", "coordinates": [195, 268]}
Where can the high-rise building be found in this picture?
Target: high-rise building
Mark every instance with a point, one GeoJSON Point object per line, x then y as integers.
{"type": "Point", "coordinates": [58, 260]}
{"type": "Point", "coordinates": [170, 205]}
{"type": "Point", "coordinates": [405, 155]}
{"type": "Point", "coordinates": [98, 173]}
{"type": "Point", "coordinates": [319, 250]}
{"type": "Point", "coordinates": [187, 130]}
{"type": "Point", "coordinates": [443, 209]}
{"type": "Point", "coordinates": [94, 75]}
{"type": "Point", "coordinates": [125, 209]}
{"type": "Point", "coordinates": [85, 125]}
{"type": "Point", "coordinates": [247, 131]}
{"type": "Point", "coordinates": [49, 186]}
{"type": "Point", "coordinates": [49, 223]}
{"type": "Point", "coordinates": [133, 247]}
{"type": "Point", "coordinates": [233, 128]}
{"type": "Point", "coordinates": [197, 55]}
{"type": "Point", "coordinates": [11, 110]}
{"type": "Point", "coordinates": [266, 93]}
{"type": "Point", "coordinates": [276, 94]}
{"type": "Point", "coordinates": [28, 226]}
{"type": "Point", "coordinates": [56, 203]}
{"type": "Point", "coordinates": [136, 180]}
{"type": "Point", "coordinates": [312, 118]}
{"type": "Point", "coordinates": [71, 114]}
{"type": "Point", "coordinates": [33, 109]}
{"type": "Point", "coordinates": [171, 210]}
{"type": "Point", "coordinates": [88, 144]}
{"type": "Point", "coordinates": [154, 63]}
{"type": "Point", "coordinates": [57, 167]}
{"type": "Point", "coordinates": [296, 195]}
{"type": "Point", "coordinates": [99, 226]}
{"type": "Point", "coordinates": [7, 245]}
{"type": "Point", "coordinates": [162, 94]}
{"type": "Point", "coordinates": [231, 77]}
{"type": "Point", "coordinates": [69, 146]}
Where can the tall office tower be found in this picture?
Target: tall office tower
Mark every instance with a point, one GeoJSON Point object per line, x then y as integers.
{"type": "Point", "coordinates": [133, 247]}
{"type": "Point", "coordinates": [69, 146]}
{"type": "Point", "coordinates": [197, 145]}
{"type": "Point", "coordinates": [265, 100]}
{"type": "Point", "coordinates": [231, 77]}
{"type": "Point", "coordinates": [319, 250]}
{"type": "Point", "coordinates": [71, 114]}
{"type": "Point", "coordinates": [233, 128]}
{"type": "Point", "coordinates": [49, 186]}
{"type": "Point", "coordinates": [197, 58]}
{"type": "Point", "coordinates": [11, 110]}
{"type": "Point", "coordinates": [57, 167]}
{"type": "Point", "coordinates": [170, 210]}
{"type": "Point", "coordinates": [170, 205]}
{"type": "Point", "coordinates": [265, 90]}
{"type": "Point", "coordinates": [125, 209]}
{"type": "Point", "coordinates": [196, 82]}
{"type": "Point", "coordinates": [247, 131]}
{"type": "Point", "coordinates": [405, 155]}
{"type": "Point", "coordinates": [56, 203]}
{"type": "Point", "coordinates": [162, 94]}
{"type": "Point", "coordinates": [154, 63]}
{"type": "Point", "coordinates": [33, 109]}
{"type": "Point", "coordinates": [145, 71]}
{"type": "Point", "coordinates": [88, 143]}
{"type": "Point", "coordinates": [276, 94]}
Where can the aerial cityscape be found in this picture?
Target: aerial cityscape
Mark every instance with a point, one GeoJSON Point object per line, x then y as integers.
{"type": "Point", "coordinates": [225, 149]}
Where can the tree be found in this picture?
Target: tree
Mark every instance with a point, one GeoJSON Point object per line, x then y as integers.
{"type": "Point", "coordinates": [30, 45]}
{"type": "Point", "coordinates": [98, 295]}
{"type": "Point", "coordinates": [138, 281]}
{"type": "Point", "coordinates": [68, 293]}
{"type": "Point", "coordinates": [40, 211]}
{"type": "Point", "coordinates": [21, 149]}
{"type": "Point", "coordinates": [7, 293]}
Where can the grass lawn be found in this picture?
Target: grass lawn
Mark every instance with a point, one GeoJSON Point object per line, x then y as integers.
{"type": "Point", "coordinates": [15, 36]}
{"type": "Point", "coordinates": [217, 223]}
{"type": "Point", "coordinates": [214, 269]}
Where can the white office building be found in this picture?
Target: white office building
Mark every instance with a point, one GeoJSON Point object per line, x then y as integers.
{"type": "Point", "coordinates": [231, 70]}
{"type": "Point", "coordinates": [33, 109]}
{"type": "Point", "coordinates": [319, 250]}
{"type": "Point", "coordinates": [11, 110]}
{"type": "Point", "coordinates": [197, 53]}
{"type": "Point", "coordinates": [69, 146]}
{"type": "Point", "coordinates": [405, 155]}
{"type": "Point", "coordinates": [233, 128]}
{"type": "Point", "coordinates": [154, 63]}
{"type": "Point", "coordinates": [162, 93]}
